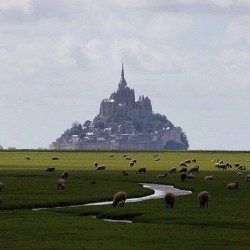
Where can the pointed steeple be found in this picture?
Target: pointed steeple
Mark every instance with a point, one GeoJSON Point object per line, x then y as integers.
{"type": "Point", "coordinates": [122, 82]}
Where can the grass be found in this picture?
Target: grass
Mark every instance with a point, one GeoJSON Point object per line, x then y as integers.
{"type": "Point", "coordinates": [225, 224]}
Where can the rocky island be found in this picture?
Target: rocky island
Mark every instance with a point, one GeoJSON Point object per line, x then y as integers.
{"type": "Point", "coordinates": [123, 124]}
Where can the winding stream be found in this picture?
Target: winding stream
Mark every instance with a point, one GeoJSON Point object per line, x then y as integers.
{"type": "Point", "coordinates": [159, 192]}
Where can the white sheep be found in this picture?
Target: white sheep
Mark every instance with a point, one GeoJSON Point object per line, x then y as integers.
{"type": "Point", "coordinates": [141, 171]}
{"type": "Point", "coordinates": [233, 185]}
{"type": "Point", "coordinates": [203, 198]}
{"type": "Point", "coordinates": [169, 200]}
{"type": "Point", "coordinates": [209, 178]}
{"type": "Point", "coordinates": [120, 198]}
{"type": "Point", "coordinates": [65, 174]}
{"type": "Point", "coordinates": [101, 168]}
{"type": "Point", "coordinates": [247, 177]}
{"type": "Point", "coordinates": [60, 184]}
{"type": "Point", "coordinates": [162, 175]}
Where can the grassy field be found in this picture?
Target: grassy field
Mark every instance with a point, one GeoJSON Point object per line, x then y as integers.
{"type": "Point", "coordinates": [225, 224]}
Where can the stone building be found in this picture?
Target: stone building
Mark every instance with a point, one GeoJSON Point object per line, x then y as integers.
{"type": "Point", "coordinates": [124, 124]}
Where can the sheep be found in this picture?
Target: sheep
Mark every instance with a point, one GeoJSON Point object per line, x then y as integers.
{"type": "Point", "coordinates": [131, 164]}
{"type": "Point", "coordinates": [141, 171]}
{"type": "Point", "coordinates": [233, 185]}
{"type": "Point", "coordinates": [134, 161]}
{"type": "Point", "coordinates": [124, 173]}
{"type": "Point", "coordinates": [65, 174]}
{"type": "Point", "coordinates": [50, 169]}
{"type": "Point", "coordinates": [194, 170]}
{"type": "Point", "coordinates": [203, 198]}
{"type": "Point", "coordinates": [183, 164]}
{"type": "Point", "coordinates": [128, 158]}
{"type": "Point", "coordinates": [188, 161]}
{"type": "Point", "coordinates": [124, 155]}
{"type": "Point", "coordinates": [193, 160]}
{"type": "Point", "coordinates": [27, 157]}
{"type": "Point", "coordinates": [241, 168]}
{"type": "Point", "coordinates": [184, 169]}
{"type": "Point", "coordinates": [60, 184]}
{"type": "Point", "coordinates": [111, 155]}
{"type": "Point", "coordinates": [157, 159]}
{"type": "Point", "coordinates": [100, 168]}
{"type": "Point", "coordinates": [183, 176]}
{"type": "Point", "coordinates": [236, 165]}
{"type": "Point", "coordinates": [95, 164]}
{"type": "Point", "coordinates": [1, 186]}
{"type": "Point", "coordinates": [55, 158]}
{"type": "Point", "coordinates": [222, 166]}
{"type": "Point", "coordinates": [247, 177]}
{"type": "Point", "coordinates": [209, 178]}
{"type": "Point", "coordinates": [221, 162]}
{"type": "Point", "coordinates": [191, 176]}
{"type": "Point", "coordinates": [173, 170]}
{"type": "Point", "coordinates": [162, 175]}
{"type": "Point", "coordinates": [169, 200]}
{"type": "Point", "coordinates": [155, 155]}
{"type": "Point", "coordinates": [120, 198]}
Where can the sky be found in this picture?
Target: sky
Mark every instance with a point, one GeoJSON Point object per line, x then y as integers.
{"type": "Point", "coordinates": [59, 59]}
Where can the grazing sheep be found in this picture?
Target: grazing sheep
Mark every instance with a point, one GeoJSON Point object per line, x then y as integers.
{"type": "Point", "coordinates": [236, 165]}
{"type": "Point", "coordinates": [60, 184]}
{"type": "Point", "coordinates": [162, 175]}
{"type": "Point", "coordinates": [169, 200]}
{"type": "Point", "coordinates": [111, 155]}
{"type": "Point", "coordinates": [233, 185]}
{"type": "Point", "coordinates": [134, 161]}
{"type": "Point", "coordinates": [209, 178]}
{"type": "Point", "coordinates": [95, 164]}
{"type": "Point", "coordinates": [193, 160]}
{"type": "Point", "coordinates": [55, 158]}
{"type": "Point", "coordinates": [100, 168]}
{"type": "Point", "coordinates": [184, 169]}
{"type": "Point", "coordinates": [50, 169]}
{"type": "Point", "coordinates": [221, 162]}
{"type": "Point", "coordinates": [188, 161]}
{"type": "Point", "coordinates": [173, 170]}
{"type": "Point", "coordinates": [241, 168]}
{"type": "Point", "coordinates": [220, 166]}
{"type": "Point", "coordinates": [124, 155]}
{"type": "Point", "coordinates": [141, 171]}
{"type": "Point", "coordinates": [131, 164]}
{"type": "Point", "coordinates": [203, 198]}
{"type": "Point", "coordinates": [183, 164]}
{"type": "Point", "coordinates": [65, 174]}
{"type": "Point", "coordinates": [191, 176]}
{"type": "Point", "coordinates": [194, 170]}
{"type": "Point", "coordinates": [1, 186]}
{"type": "Point", "coordinates": [124, 173]}
{"type": "Point", "coordinates": [247, 177]}
{"type": "Point", "coordinates": [120, 198]}
{"type": "Point", "coordinates": [27, 158]}
{"type": "Point", "coordinates": [183, 176]}
{"type": "Point", "coordinates": [157, 159]}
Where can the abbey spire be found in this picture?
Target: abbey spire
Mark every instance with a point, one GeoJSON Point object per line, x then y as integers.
{"type": "Point", "coordinates": [122, 82]}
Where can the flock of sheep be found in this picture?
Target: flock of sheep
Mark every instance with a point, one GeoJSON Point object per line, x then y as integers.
{"type": "Point", "coordinates": [120, 197]}
{"type": "Point", "coordinates": [203, 197]}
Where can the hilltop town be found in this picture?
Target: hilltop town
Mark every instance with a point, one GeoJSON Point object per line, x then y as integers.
{"type": "Point", "coordinates": [123, 124]}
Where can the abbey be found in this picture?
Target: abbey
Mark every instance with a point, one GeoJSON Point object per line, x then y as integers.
{"type": "Point", "coordinates": [124, 124]}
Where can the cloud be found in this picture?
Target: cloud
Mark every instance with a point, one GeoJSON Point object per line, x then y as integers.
{"type": "Point", "coordinates": [229, 7]}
